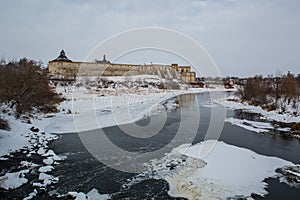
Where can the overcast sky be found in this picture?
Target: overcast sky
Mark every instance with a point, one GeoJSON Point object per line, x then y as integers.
{"type": "Point", "coordinates": [244, 37]}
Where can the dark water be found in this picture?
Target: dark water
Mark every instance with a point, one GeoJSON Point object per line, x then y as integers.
{"type": "Point", "coordinates": [82, 172]}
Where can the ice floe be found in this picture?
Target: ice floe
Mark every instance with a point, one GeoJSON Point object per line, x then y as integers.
{"type": "Point", "coordinates": [31, 195]}
{"type": "Point", "coordinates": [48, 161]}
{"type": "Point", "coordinates": [285, 129]}
{"type": "Point", "coordinates": [91, 195]}
{"type": "Point", "coordinates": [13, 180]}
{"type": "Point", "coordinates": [28, 164]}
{"type": "Point", "coordinates": [227, 171]}
{"type": "Point", "coordinates": [251, 125]}
{"type": "Point", "coordinates": [46, 169]}
{"type": "Point", "coordinates": [46, 180]}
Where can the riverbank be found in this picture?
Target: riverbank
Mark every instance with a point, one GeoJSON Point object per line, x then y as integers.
{"type": "Point", "coordinates": [275, 120]}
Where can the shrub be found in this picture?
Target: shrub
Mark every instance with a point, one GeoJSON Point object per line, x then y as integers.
{"type": "Point", "coordinates": [254, 91]}
{"type": "Point", "coordinates": [4, 125]}
{"type": "Point", "coordinates": [296, 127]}
{"type": "Point", "coordinates": [169, 85]}
{"type": "Point", "coordinates": [267, 92]}
{"type": "Point", "coordinates": [271, 107]}
{"type": "Point", "coordinates": [24, 85]}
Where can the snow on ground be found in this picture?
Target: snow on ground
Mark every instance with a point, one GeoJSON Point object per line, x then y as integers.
{"type": "Point", "coordinates": [269, 115]}
{"type": "Point", "coordinates": [258, 127]}
{"type": "Point", "coordinates": [21, 136]}
{"type": "Point", "coordinates": [105, 108]}
{"type": "Point", "coordinates": [227, 171]}
{"type": "Point", "coordinates": [145, 78]}
{"type": "Point", "coordinates": [14, 139]}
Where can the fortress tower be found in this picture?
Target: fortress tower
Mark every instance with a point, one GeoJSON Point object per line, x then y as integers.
{"type": "Point", "coordinates": [63, 66]}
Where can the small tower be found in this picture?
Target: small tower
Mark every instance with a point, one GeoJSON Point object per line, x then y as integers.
{"type": "Point", "coordinates": [62, 57]}
{"type": "Point", "coordinates": [103, 61]}
{"type": "Point", "coordinates": [62, 53]}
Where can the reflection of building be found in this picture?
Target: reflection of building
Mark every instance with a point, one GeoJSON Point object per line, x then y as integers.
{"type": "Point", "coordinates": [64, 66]}
{"type": "Point", "coordinates": [185, 100]}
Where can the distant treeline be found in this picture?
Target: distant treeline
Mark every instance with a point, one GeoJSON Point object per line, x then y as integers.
{"type": "Point", "coordinates": [272, 92]}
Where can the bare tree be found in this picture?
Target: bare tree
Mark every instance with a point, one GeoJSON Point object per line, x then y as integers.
{"type": "Point", "coordinates": [24, 85]}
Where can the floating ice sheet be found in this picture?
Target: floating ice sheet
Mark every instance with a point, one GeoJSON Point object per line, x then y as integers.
{"type": "Point", "coordinates": [229, 171]}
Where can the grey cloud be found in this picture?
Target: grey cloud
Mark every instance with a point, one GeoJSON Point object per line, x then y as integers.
{"type": "Point", "coordinates": [244, 37]}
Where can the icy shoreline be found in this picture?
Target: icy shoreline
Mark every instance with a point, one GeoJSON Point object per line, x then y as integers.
{"type": "Point", "coordinates": [274, 121]}
{"type": "Point", "coordinates": [269, 115]}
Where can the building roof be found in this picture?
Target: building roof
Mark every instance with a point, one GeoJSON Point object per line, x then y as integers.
{"type": "Point", "coordinates": [62, 57]}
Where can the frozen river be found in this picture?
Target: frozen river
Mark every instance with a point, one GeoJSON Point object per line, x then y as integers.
{"type": "Point", "coordinates": [238, 177]}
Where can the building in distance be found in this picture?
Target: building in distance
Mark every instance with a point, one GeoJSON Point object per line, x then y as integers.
{"type": "Point", "coordinates": [63, 66]}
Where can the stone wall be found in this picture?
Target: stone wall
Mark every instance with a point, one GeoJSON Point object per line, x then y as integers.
{"type": "Point", "coordinates": [73, 69]}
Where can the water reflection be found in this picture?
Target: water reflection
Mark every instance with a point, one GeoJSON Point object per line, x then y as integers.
{"type": "Point", "coordinates": [241, 114]}
{"type": "Point", "coordinates": [186, 100]}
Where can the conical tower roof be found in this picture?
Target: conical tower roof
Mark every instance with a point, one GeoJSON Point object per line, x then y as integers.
{"type": "Point", "coordinates": [62, 57]}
